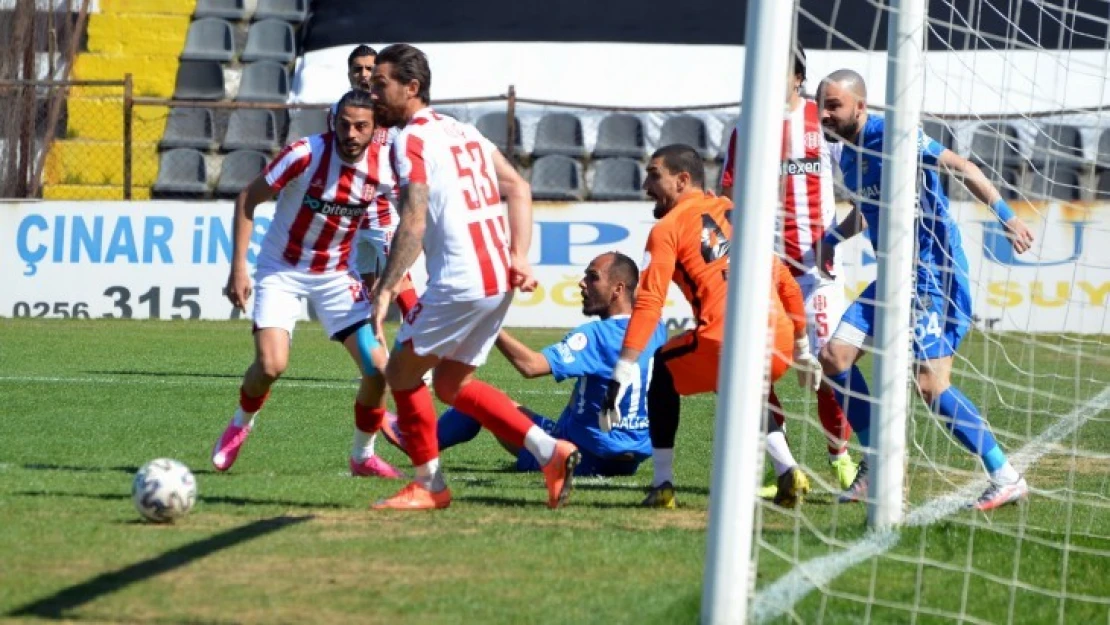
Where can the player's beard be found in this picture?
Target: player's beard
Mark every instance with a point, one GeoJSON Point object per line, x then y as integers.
{"type": "Point", "coordinates": [843, 131]}
{"type": "Point", "coordinates": [384, 117]}
{"type": "Point", "coordinates": [591, 308]}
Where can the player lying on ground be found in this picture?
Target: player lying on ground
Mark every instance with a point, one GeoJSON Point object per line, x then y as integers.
{"type": "Point", "coordinates": [452, 180]}
{"type": "Point", "coordinates": [808, 211]}
{"type": "Point", "coordinates": [690, 246]}
{"type": "Point", "coordinates": [326, 183]}
{"type": "Point", "coordinates": [942, 297]}
{"type": "Point", "coordinates": [586, 355]}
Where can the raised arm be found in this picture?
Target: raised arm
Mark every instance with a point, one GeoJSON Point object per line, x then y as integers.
{"type": "Point", "coordinates": [979, 186]}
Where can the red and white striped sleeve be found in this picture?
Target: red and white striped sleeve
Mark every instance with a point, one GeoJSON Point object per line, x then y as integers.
{"type": "Point", "coordinates": [409, 157]}
{"type": "Point", "coordinates": [291, 162]}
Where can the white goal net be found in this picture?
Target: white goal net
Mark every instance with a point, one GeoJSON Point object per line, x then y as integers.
{"type": "Point", "coordinates": [1018, 88]}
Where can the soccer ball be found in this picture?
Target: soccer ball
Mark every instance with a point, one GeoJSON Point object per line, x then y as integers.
{"type": "Point", "coordinates": [164, 490]}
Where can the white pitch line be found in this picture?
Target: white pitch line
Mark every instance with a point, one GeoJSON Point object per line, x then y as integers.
{"type": "Point", "coordinates": [183, 380]}
{"type": "Point", "coordinates": [779, 597]}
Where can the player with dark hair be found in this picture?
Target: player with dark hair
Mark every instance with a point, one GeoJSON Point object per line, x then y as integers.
{"type": "Point", "coordinates": [690, 246]}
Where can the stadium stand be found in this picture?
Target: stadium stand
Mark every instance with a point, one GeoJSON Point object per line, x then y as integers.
{"type": "Point", "coordinates": [620, 135]}
{"type": "Point", "coordinates": [252, 129]}
{"type": "Point", "coordinates": [559, 133]}
{"type": "Point", "coordinates": [305, 122]}
{"type": "Point", "coordinates": [617, 179]}
{"type": "Point", "coordinates": [1058, 143]}
{"type": "Point", "coordinates": [996, 145]}
{"type": "Point", "coordinates": [264, 81]}
{"type": "Point", "coordinates": [557, 178]}
{"type": "Point", "coordinates": [496, 128]}
{"type": "Point", "coordinates": [209, 39]}
{"type": "Point", "coordinates": [199, 80]}
{"type": "Point", "coordinates": [686, 129]}
{"type": "Point", "coordinates": [270, 40]}
{"type": "Point", "coordinates": [294, 11]}
{"type": "Point", "coordinates": [234, 10]}
{"type": "Point", "coordinates": [182, 174]}
{"type": "Point", "coordinates": [189, 127]}
{"type": "Point", "coordinates": [237, 170]}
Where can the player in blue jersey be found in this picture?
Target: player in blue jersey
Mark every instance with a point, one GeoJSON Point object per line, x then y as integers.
{"type": "Point", "coordinates": [942, 298]}
{"type": "Point", "coordinates": [586, 354]}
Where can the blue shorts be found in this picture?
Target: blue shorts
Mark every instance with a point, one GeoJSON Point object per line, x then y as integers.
{"type": "Point", "coordinates": [592, 464]}
{"type": "Point", "coordinates": [940, 322]}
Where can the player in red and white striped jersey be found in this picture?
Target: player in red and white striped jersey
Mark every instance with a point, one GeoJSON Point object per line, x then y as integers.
{"type": "Point", "coordinates": [326, 183]}
{"type": "Point", "coordinates": [452, 180]}
{"type": "Point", "coordinates": [809, 210]}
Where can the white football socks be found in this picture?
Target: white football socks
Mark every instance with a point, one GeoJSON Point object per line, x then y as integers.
{"type": "Point", "coordinates": [363, 446]}
{"type": "Point", "coordinates": [780, 452]}
{"type": "Point", "coordinates": [243, 419]}
{"type": "Point", "coordinates": [540, 444]}
{"type": "Point", "coordinates": [429, 476]}
{"type": "Point", "coordinates": [663, 461]}
{"type": "Point", "coordinates": [1005, 474]}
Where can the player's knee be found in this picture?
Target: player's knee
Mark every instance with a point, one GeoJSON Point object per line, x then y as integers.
{"type": "Point", "coordinates": [271, 366]}
{"type": "Point", "coordinates": [929, 388]}
{"type": "Point", "coordinates": [446, 389]}
{"type": "Point", "coordinates": [830, 362]}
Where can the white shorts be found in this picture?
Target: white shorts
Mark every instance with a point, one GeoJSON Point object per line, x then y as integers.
{"type": "Point", "coordinates": [459, 331]}
{"type": "Point", "coordinates": [372, 249]}
{"type": "Point", "coordinates": [338, 298]}
{"type": "Point", "coordinates": [824, 302]}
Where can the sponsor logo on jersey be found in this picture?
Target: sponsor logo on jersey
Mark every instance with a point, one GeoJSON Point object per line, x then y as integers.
{"type": "Point", "coordinates": [812, 140]}
{"type": "Point", "coordinates": [325, 207]}
{"type": "Point", "coordinates": [801, 166]}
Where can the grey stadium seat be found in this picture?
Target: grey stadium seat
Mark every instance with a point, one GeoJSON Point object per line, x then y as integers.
{"type": "Point", "coordinates": [289, 10]}
{"type": "Point", "coordinates": [557, 178]}
{"type": "Point", "coordinates": [620, 134]}
{"type": "Point", "coordinates": [1104, 150]}
{"type": "Point", "coordinates": [264, 81]}
{"type": "Point", "coordinates": [938, 131]}
{"type": "Point", "coordinates": [234, 10]}
{"type": "Point", "coordinates": [181, 173]}
{"type": "Point", "coordinates": [270, 40]}
{"type": "Point", "coordinates": [238, 170]}
{"type": "Point", "coordinates": [1102, 189]}
{"type": "Point", "coordinates": [251, 129]}
{"type": "Point", "coordinates": [209, 39]}
{"type": "Point", "coordinates": [1057, 143]}
{"type": "Point", "coordinates": [189, 127]}
{"type": "Point", "coordinates": [495, 127]}
{"type": "Point", "coordinates": [559, 133]}
{"type": "Point", "coordinates": [1055, 181]}
{"type": "Point", "coordinates": [1008, 181]}
{"type": "Point", "coordinates": [685, 129]}
{"type": "Point", "coordinates": [617, 179]}
{"type": "Point", "coordinates": [199, 80]}
{"type": "Point", "coordinates": [306, 122]}
{"type": "Point", "coordinates": [996, 145]}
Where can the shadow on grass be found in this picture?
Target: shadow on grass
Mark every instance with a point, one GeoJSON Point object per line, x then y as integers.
{"type": "Point", "coordinates": [208, 499]}
{"type": "Point", "coordinates": [128, 469]}
{"type": "Point", "coordinates": [507, 502]}
{"type": "Point", "coordinates": [57, 605]}
{"type": "Point", "coordinates": [219, 376]}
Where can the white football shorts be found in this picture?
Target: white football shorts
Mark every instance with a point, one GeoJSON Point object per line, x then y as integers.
{"type": "Point", "coordinates": [338, 297]}
{"type": "Point", "coordinates": [460, 331]}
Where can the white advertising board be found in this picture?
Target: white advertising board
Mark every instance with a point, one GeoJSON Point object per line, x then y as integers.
{"type": "Point", "coordinates": [169, 260]}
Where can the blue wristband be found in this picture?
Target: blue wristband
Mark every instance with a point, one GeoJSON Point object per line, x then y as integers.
{"type": "Point", "coordinates": [1002, 210]}
{"type": "Point", "coordinates": [832, 238]}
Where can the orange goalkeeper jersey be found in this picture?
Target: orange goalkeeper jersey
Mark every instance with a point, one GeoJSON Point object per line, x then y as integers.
{"type": "Point", "coordinates": [690, 246]}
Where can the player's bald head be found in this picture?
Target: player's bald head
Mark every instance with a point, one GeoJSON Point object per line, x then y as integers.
{"type": "Point", "coordinates": [850, 81]}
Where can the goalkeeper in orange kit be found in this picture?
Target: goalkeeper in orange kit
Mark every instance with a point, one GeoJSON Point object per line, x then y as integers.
{"type": "Point", "coordinates": [689, 246]}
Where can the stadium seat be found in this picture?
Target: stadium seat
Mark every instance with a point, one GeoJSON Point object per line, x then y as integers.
{"type": "Point", "coordinates": [1008, 181]}
{"type": "Point", "coordinates": [306, 122]}
{"type": "Point", "coordinates": [270, 40]}
{"type": "Point", "coordinates": [559, 133]}
{"type": "Point", "coordinates": [233, 10]}
{"type": "Point", "coordinates": [617, 179]}
{"type": "Point", "coordinates": [1055, 181]}
{"type": "Point", "coordinates": [289, 10]}
{"type": "Point", "coordinates": [939, 131]}
{"type": "Point", "coordinates": [685, 129]}
{"type": "Point", "coordinates": [620, 135]}
{"type": "Point", "coordinates": [199, 80]}
{"type": "Point", "coordinates": [557, 178]}
{"type": "Point", "coordinates": [264, 81]}
{"type": "Point", "coordinates": [181, 173]}
{"type": "Point", "coordinates": [1057, 143]}
{"type": "Point", "coordinates": [238, 170]}
{"type": "Point", "coordinates": [189, 127]}
{"type": "Point", "coordinates": [494, 126]}
{"type": "Point", "coordinates": [209, 39]}
{"type": "Point", "coordinates": [1103, 161]}
{"type": "Point", "coordinates": [996, 145]}
{"type": "Point", "coordinates": [251, 129]}
{"type": "Point", "coordinates": [1102, 189]}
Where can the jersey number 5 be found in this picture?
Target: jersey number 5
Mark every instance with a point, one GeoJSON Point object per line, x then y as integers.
{"type": "Point", "coordinates": [478, 189]}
